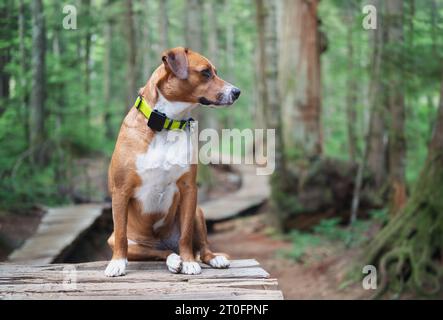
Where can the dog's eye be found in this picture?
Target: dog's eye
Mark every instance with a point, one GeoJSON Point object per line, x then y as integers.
{"type": "Point", "coordinates": [207, 73]}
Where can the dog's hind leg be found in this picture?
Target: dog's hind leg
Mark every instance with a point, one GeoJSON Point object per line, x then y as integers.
{"type": "Point", "coordinates": [138, 252]}
{"type": "Point", "coordinates": [215, 260]}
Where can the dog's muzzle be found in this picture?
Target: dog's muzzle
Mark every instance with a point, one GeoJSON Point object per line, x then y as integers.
{"type": "Point", "coordinates": [225, 98]}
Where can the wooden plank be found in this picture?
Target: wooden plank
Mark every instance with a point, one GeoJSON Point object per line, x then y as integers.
{"type": "Point", "coordinates": [144, 280]}
{"type": "Point", "coordinates": [252, 193]}
{"type": "Point", "coordinates": [97, 265]}
{"type": "Point", "coordinates": [59, 228]}
{"type": "Point", "coordinates": [131, 276]}
{"type": "Point", "coordinates": [200, 294]}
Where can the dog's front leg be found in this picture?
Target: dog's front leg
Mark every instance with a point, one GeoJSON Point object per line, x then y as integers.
{"type": "Point", "coordinates": [117, 266]}
{"type": "Point", "coordinates": [188, 190]}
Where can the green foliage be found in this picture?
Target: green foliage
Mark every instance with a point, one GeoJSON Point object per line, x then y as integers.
{"type": "Point", "coordinates": [301, 243]}
{"type": "Point", "coordinates": [326, 232]}
{"type": "Point", "coordinates": [422, 54]}
{"type": "Point", "coordinates": [70, 131]}
{"type": "Point", "coordinates": [329, 228]}
{"type": "Point", "coordinates": [380, 215]}
{"type": "Point", "coordinates": [408, 249]}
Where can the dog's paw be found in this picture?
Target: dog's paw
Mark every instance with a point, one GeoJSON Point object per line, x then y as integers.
{"type": "Point", "coordinates": [174, 263]}
{"type": "Point", "coordinates": [116, 268]}
{"type": "Point", "coordinates": [191, 268]}
{"type": "Point", "coordinates": [219, 262]}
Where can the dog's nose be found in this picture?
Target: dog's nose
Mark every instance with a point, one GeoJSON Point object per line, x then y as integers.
{"type": "Point", "coordinates": [235, 93]}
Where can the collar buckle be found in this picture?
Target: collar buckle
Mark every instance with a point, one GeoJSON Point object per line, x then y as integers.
{"type": "Point", "coordinates": [157, 120]}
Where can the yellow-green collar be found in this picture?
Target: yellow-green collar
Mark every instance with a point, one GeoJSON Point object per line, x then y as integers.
{"type": "Point", "coordinates": [158, 120]}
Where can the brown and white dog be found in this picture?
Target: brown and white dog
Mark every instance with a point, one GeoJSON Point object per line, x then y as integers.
{"type": "Point", "coordinates": [152, 183]}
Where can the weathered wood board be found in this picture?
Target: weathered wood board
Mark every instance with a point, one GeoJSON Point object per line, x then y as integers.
{"type": "Point", "coordinates": [245, 279]}
{"type": "Point", "coordinates": [253, 192]}
{"type": "Point", "coordinates": [59, 228]}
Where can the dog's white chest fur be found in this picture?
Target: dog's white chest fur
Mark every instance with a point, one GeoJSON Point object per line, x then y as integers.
{"type": "Point", "coordinates": [166, 160]}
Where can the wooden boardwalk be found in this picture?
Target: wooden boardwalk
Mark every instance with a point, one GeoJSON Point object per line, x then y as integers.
{"type": "Point", "coordinates": [32, 274]}
{"type": "Point", "coordinates": [58, 230]}
{"type": "Point", "coordinates": [253, 192]}
{"type": "Point", "coordinates": [245, 279]}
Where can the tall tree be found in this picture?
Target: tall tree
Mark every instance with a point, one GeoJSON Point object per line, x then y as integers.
{"type": "Point", "coordinates": [230, 36]}
{"type": "Point", "coordinates": [212, 25]}
{"type": "Point", "coordinates": [194, 40]}
{"type": "Point", "coordinates": [228, 45]}
{"type": "Point", "coordinates": [86, 13]}
{"type": "Point", "coordinates": [299, 72]}
{"type": "Point", "coordinates": [209, 118]}
{"type": "Point", "coordinates": [407, 250]}
{"type": "Point", "coordinates": [396, 104]}
{"type": "Point", "coordinates": [38, 96]}
{"type": "Point", "coordinates": [107, 72]}
{"type": "Point", "coordinates": [24, 65]}
{"type": "Point", "coordinates": [351, 82]}
{"type": "Point", "coordinates": [262, 88]}
{"type": "Point", "coordinates": [266, 15]}
{"type": "Point", "coordinates": [163, 25]}
{"type": "Point", "coordinates": [146, 36]}
{"type": "Point", "coordinates": [131, 73]}
{"type": "Point", "coordinates": [193, 23]}
{"type": "Point", "coordinates": [5, 51]}
{"type": "Point", "coordinates": [58, 50]}
{"type": "Point", "coordinates": [376, 138]}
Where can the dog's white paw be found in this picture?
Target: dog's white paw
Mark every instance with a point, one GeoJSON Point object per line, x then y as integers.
{"type": "Point", "coordinates": [219, 262]}
{"type": "Point", "coordinates": [116, 268]}
{"type": "Point", "coordinates": [174, 263]}
{"type": "Point", "coordinates": [191, 268]}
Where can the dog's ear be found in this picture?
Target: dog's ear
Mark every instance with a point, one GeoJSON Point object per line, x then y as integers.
{"type": "Point", "coordinates": [176, 61]}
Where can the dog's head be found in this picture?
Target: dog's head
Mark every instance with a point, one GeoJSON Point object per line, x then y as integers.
{"type": "Point", "coordinates": [190, 77]}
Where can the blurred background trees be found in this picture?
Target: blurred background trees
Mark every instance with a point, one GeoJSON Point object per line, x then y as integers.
{"type": "Point", "coordinates": [354, 109]}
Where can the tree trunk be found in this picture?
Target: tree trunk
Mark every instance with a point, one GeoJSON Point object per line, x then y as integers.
{"type": "Point", "coordinates": [163, 25]}
{"type": "Point", "coordinates": [397, 140]}
{"type": "Point", "coordinates": [37, 102]}
{"type": "Point", "coordinates": [230, 36]}
{"type": "Point", "coordinates": [262, 92]}
{"type": "Point", "coordinates": [131, 73]}
{"type": "Point", "coordinates": [352, 90]}
{"type": "Point", "coordinates": [193, 23]}
{"type": "Point", "coordinates": [59, 98]}
{"type": "Point", "coordinates": [193, 38]}
{"type": "Point", "coordinates": [270, 91]}
{"type": "Point", "coordinates": [5, 54]}
{"type": "Point", "coordinates": [148, 46]}
{"type": "Point", "coordinates": [212, 23]}
{"type": "Point", "coordinates": [434, 31]}
{"type": "Point", "coordinates": [299, 71]}
{"type": "Point", "coordinates": [376, 138]}
{"type": "Point", "coordinates": [86, 13]}
{"type": "Point", "coordinates": [229, 60]}
{"type": "Point", "coordinates": [408, 250]}
{"type": "Point", "coordinates": [210, 118]}
{"type": "Point", "coordinates": [107, 76]}
{"type": "Point", "coordinates": [24, 66]}
{"type": "Point", "coordinates": [436, 145]}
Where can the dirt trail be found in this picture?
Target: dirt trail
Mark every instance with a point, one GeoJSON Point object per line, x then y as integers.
{"type": "Point", "coordinates": [246, 238]}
